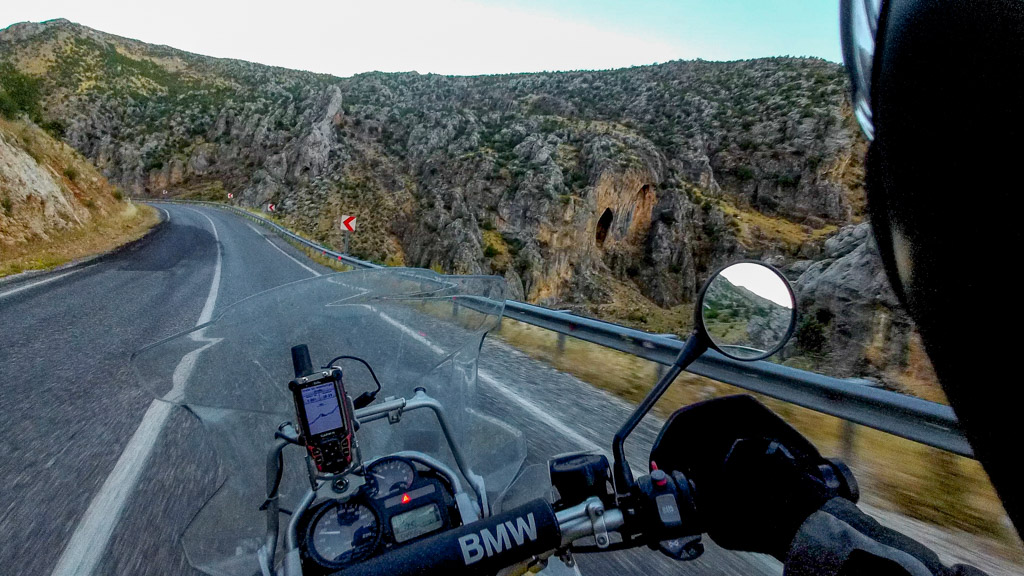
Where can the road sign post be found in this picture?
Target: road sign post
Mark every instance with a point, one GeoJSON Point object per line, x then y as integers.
{"type": "Point", "coordinates": [348, 226]}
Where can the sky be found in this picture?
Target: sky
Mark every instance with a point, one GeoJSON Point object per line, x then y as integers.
{"type": "Point", "coordinates": [461, 37]}
{"type": "Point", "coordinates": [761, 281]}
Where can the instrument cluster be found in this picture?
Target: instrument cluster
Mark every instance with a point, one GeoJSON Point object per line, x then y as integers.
{"type": "Point", "coordinates": [398, 503]}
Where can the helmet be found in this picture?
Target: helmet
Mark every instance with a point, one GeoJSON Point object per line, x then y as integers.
{"type": "Point", "coordinates": [937, 89]}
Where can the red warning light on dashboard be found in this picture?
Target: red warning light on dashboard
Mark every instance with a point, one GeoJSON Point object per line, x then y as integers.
{"type": "Point", "coordinates": [405, 498]}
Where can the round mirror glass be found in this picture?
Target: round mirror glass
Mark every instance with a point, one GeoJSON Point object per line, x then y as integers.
{"type": "Point", "coordinates": [748, 311]}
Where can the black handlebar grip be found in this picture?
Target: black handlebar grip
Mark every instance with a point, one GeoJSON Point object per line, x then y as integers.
{"type": "Point", "coordinates": [301, 361]}
{"type": "Point", "coordinates": [483, 547]}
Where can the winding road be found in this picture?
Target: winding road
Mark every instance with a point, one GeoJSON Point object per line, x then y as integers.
{"type": "Point", "coordinates": [98, 478]}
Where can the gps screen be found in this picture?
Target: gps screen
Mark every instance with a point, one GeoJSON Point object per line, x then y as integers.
{"type": "Point", "coordinates": [323, 411]}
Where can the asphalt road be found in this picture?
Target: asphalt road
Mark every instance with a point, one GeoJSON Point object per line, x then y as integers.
{"type": "Point", "coordinates": [72, 416]}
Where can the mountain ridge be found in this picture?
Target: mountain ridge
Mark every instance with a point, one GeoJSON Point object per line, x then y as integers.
{"type": "Point", "coordinates": [619, 189]}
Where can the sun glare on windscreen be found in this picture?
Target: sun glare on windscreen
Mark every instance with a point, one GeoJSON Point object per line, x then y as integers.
{"type": "Point", "coordinates": [760, 281]}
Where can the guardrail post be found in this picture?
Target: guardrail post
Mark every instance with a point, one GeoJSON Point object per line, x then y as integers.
{"type": "Point", "coordinates": [455, 307]}
{"type": "Point", "coordinates": [661, 367]}
{"type": "Point", "coordinates": [561, 343]}
{"type": "Point", "coordinates": [847, 439]}
{"type": "Point", "coordinates": [848, 435]}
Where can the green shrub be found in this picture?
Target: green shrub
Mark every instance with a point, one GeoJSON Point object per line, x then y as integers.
{"type": "Point", "coordinates": [8, 107]}
{"type": "Point", "coordinates": [490, 251]}
{"type": "Point", "coordinates": [514, 244]}
{"type": "Point", "coordinates": [788, 179]}
{"type": "Point", "coordinates": [71, 173]}
{"type": "Point", "coordinates": [810, 335]}
{"type": "Point", "coordinates": [118, 194]}
{"type": "Point", "coordinates": [745, 173]}
{"type": "Point", "coordinates": [18, 93]}
{"type": "Point", "coordinates": [636, 316]}
{"type": "Point", "coordinates": [56, 128]}
{"type": "Point", "coordinates": [8, 205]}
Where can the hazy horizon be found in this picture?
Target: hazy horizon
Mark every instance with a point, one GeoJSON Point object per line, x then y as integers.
{"type": "Point", "coordinates": [466, 38]}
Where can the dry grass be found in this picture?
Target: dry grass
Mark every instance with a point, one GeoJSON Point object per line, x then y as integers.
{"type": "Point", "coordinates": [41, 228]}
{"type": "Point", "coordinates": [894, 473]}
{"type": "Point", "coordinates": [628, 306]}
{"type": "Point", "coordinates": [754, 229]}
{"type": "Point", "coordinates": [497, 250]}
{"type": "Point", "coordinates": [100, 235]}
{"type": "Point", "coordinates": [212, 191]}
{"type": "Point", "coordinates": [321, 258]}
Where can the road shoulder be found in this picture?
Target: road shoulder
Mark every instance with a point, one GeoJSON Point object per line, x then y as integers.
{"type": "Point", "coordinates": [14, 281]}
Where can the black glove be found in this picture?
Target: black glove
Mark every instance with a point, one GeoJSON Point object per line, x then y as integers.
{"type": "Point", "coordinates": [840, 540]}
{"type": "Point", "coordinates": [755, 478]}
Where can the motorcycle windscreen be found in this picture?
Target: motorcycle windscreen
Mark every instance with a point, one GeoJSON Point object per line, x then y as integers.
{"type": "Point", "coordinates": [414, 327]}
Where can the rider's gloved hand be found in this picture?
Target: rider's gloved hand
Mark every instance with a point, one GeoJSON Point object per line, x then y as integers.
{"type": "Point", "coordinates": [756, 479]}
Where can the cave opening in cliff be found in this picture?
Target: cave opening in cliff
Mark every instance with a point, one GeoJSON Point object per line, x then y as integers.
{"type": "Point", "coordinates": [602, 226]}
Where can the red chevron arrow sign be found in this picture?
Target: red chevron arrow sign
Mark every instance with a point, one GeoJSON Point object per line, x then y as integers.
{"type": "Point", "coordinates": [270, 207]}
{"type": "Point", "coordinates": [348, 223]}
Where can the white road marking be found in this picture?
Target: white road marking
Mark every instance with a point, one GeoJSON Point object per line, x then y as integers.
{"type": "Point", "coordinates": [211, 299]}
{"type": "Point", "coordinates": [412, 333]}
{"type": "Point", "coordinates": [89, 541]}
{"type": "Point", "coordinates": [41, 282]}
{"type": "Point", "coordinates": [278, 248]}
{"type": "Point", "coordinates": [539, 413]}
{"type": "Point", "coordinates": [167, 213]}
{"type": "Point", "coordinates": [504, 390]}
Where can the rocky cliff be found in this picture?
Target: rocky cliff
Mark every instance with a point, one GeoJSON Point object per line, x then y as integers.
{"type": "Point", "coordinates": [581, 188]}
{"type": "Point", "coordinates": [561, 181]}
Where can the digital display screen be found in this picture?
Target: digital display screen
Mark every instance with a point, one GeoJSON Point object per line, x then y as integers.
{"type": "Point", "coordinates": [414, 523]}
{"type": "Point", "coordinates": [323, 411]}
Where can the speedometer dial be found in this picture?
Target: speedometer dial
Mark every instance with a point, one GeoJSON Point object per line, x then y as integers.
{"type": "Point", "coordinates": [343, 533]}
{"type": "Point", "coordinates": [390, 475]}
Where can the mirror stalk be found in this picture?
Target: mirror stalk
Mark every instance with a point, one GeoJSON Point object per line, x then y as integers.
{"type": "Point", "coordinates": [695, 345]}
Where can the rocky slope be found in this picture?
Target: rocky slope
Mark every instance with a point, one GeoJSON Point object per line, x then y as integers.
{"type": "Point", "coordinates": [580, 187]}
{"type": "Point", "coordinates": [54, 205]}
{"type": "Point", "coordinates": [674, 157]}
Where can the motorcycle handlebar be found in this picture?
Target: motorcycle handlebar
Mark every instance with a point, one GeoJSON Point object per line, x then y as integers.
{"type": "Point", "coordinates": [483, 547]}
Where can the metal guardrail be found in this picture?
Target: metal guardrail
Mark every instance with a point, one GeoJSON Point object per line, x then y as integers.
{"type": "Point", "coordinates": [912, 418]}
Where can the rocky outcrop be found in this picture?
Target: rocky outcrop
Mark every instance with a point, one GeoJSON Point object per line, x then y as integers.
{"type": "Point", "coordinates": [46, 189]}
{"type": "Point", "coordinates": [850, 314]}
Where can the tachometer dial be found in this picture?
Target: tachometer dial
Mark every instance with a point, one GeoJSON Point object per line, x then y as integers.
{"type": "Point", "coordinates": [390, 475]}
{"type": "Point", "coordinates": [343, 533]}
